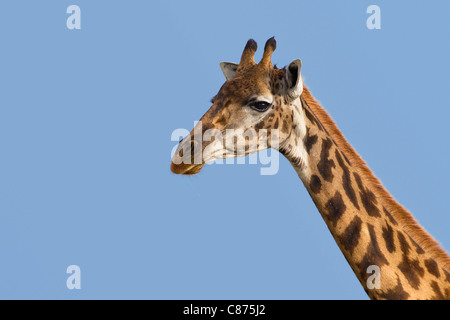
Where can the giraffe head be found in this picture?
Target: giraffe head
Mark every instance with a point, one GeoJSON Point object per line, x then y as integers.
{"type": "Point", "coordinates": [254, 110]}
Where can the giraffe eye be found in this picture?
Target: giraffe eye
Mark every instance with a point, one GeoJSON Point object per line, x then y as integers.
{"type": "Point", "coordinates": [260, 106]}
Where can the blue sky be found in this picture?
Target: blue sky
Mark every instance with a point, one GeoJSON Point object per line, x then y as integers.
{"type": "Point", "coordinates": [86, 118]}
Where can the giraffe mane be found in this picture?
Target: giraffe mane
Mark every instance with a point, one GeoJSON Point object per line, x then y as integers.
{"type": "Point", "coordinates": [400, 214]}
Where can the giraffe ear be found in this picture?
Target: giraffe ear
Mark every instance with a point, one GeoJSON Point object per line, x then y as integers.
{"type": "Point", "coordinates": [294, 79]}
{"type": "Point", "coordinates": [229, 69]}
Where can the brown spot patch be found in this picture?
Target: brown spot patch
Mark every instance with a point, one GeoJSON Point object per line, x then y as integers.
{"type": "Point", "coordinates": [285, 126]}
{"type": "Point", "coordinates": [346, 181]}
{"type": "Point", "coordinates": [325, 165]}
{"type": "Point", "coordinates": [275, 125]}
{"type": "Point", "coordinates": [309, 140]}
{"type": "Point", "coordinates": [369, 201]}
{"type": "Point", "coordinates": [368, 198]}
{"type": "Point", "coordinates": [335, 208]}
{"type": "Point", "coordinates": [432, 267]}
{"type": "Point", "coordinates": [260, 125]}
{"type": "Point", "coordinates": [419, 249]}
{"type": "Point", "coordinates": [391, 218]}
{"type": "Point", "coordinates": [411, 269]}
{"type": "Point", "coordinates": [373, 255]}
{"type": "Point", "coordinates": [346, 159]}
{"type": "Point", "coordinates": [447, 276]}
{"type": "Point", "coordinates": [351, 235]}
{"type": "Point", "coordinates": [310, 116]}
{"type": "Point", "coordinates": [438, 293]}
{"type": "Point", "coordinates": [315, 184]}
{"type": "Point", "coordinates": [396, 293]}
{"type": "Point", "coordinates": [388, 236]}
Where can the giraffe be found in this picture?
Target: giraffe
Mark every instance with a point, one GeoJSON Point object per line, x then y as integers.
{"type": "Point", "coordinates": [368, 225]}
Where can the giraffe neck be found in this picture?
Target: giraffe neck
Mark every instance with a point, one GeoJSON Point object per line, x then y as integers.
{"type": "Point", "coordinates": [373, 231]}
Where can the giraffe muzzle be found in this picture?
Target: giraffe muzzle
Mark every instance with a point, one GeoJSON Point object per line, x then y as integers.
{"type": "Point", "coordinates": [188, 159]}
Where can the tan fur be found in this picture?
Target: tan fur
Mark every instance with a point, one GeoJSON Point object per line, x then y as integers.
{"type": "Point", "coordinates": [403, 216]}
{"type": "Point", "coordinates": [369, 226]}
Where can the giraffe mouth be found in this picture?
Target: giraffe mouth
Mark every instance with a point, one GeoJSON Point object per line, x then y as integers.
{"type": "Point", "coordinates": [186, 169]}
